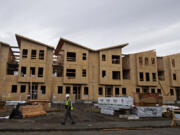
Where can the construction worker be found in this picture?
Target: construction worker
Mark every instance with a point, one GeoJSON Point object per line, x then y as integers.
{"type": "Point", "coordinates": [69, 108]}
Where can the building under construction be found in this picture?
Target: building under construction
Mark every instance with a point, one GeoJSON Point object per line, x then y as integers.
{"type": "Point", "coordinates": [34, 70]}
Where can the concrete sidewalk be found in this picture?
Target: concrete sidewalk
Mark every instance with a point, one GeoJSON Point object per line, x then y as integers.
{"type": "Point", "coordinates": [32, 126]}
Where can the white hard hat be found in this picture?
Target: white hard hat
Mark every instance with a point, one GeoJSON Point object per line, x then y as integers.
{"type": "Point", "coordinates": [67, 95]}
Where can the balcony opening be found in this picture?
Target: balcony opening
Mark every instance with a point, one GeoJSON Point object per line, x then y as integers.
{"type": "Point", "coordinates": [41, 54]}
{"type": "Point", "coordinates": [23, 88]}
{"type": "Point", "coordinates": [71, 56]}
{"type": "Point", "coordinates": [147, 77]}
{"type": "Point", "coordinates": [152, 90]}
{"type": "Point", "coordinates": [146, 61]}
{"type": "Point", "coordinates": [159, 91]}
{"type": "Point", "coordinates": [33, 54]}
{"type": "Point", "coordinates": [115, 59]}
{"type": "Point", "coordinates": [145, 90]}
{"type": "Point", "coordinates": [40, 72]}
{"type": "Point", "coordinates": [103, 73]}
{"type": "Point", "coordinates": [116, 91]}
{"type": "Point", "coordinates": [43, 89]}
{"type": "Point", "coordinates": [71, 73]}
{"type": "Point", "coordinates": [23, 71]}
{"type": "Point", "coordinates": [32, 71]}
{"type": "Point", "coordinates": [140, 60]}
{"type": "Point", "coordinates": [161, 76]}
{"type": "Point", "coordinates": [141, 75]}
{"type": "Point", "coordinates": [12, 68]}
{"type": "Point", "coordinates": [100, 91]}
{"type": "Point", "coordinates": [60, 89]}
{"type": "Point", "coordinates": [84, 73]}
{"type": "Point", "coordinates": [58, 71]}
{"type": "Point", "coordinates": [86, 91]}
{"type": "Point", "coordinates": [68, 90]}
{"type": "Point", "coordinates": [137, 90]}
{"type": "Point", "coordinates": [108, 91]}
{"type": "Point", "coordinates": [154, 77]}
{"type": "Point", "coordinates": [171, 92]}
{"type": "Point", "coordinates": [24, 53]}
{"type": "Point", "coordinates": [14, 89]}
{"type": "Point", "coordinates": [124, 91]}
{"type": "Point", "coordinates": [103, 57]}
{"type": "Point", "coordinates": [174, 76]}
{"type": "Point", "coordinates": [153, 61]}
{"type": "Point", "coordinates": [116, 75]}
{"type": "Point", "coordinates": [126, 74]}
{"type": "Point", "coordinates": [84, 56]}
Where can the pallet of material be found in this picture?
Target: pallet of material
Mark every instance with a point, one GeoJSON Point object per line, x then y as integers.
{"type": "Point", "coordinates": [32, 110]}
{"type": "Point", "coordinates": [149, 99]}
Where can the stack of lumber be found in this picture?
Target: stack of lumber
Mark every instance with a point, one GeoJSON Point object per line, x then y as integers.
{"type": "Point", "coordinates": [32, 110]}
{"type": "Point", "coordinates": [44, 103]}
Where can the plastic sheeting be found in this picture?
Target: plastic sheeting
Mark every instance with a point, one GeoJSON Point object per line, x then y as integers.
{"type": "Point", "coordinates": [149, 111]}
{"type": "Point", "coordinates": [14, 102]}
{"type": "Point", "coordinates": [122, 101]}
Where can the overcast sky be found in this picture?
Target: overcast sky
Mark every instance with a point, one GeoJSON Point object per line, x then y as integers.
{"type": "Point", "coordinates": [144, 24]}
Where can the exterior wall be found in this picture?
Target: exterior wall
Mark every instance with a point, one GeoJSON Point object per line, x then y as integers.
{"type": "Point", "coordinates": [5, 80]}
{"type": "Point", "coordinates": [94, 65]}
{"type": "Point", "coordinates": [28, 62]}
{"type": "Point", "coordinates": [78, 65]}
{"type": "Point", "coordinates": [146, 68]}
{"type": "Point", "coordinates": [109, 67]}
{"type": "Point", "coordinates": [165, 84]}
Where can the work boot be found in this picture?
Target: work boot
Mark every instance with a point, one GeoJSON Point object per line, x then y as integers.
{"type": "Point", "coordinates": [63, 123]}
{"type": "Point", "coordinates": [73, 123]}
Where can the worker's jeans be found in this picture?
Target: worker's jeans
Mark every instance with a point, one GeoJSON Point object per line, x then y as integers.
{"type": "Point", "coordinates": [68, 114]}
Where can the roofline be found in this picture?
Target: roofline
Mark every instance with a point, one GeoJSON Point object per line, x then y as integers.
{"type": "Point", "coordinates": [142, 52]}
{"type": "Point", "coordinates": [62, 40]}
{"type": "Point", "coordinates": [113, 47]}
{"type": "Point", "coordinates": [20, 37]}
{"type": "Point", "coordinates": [3, 43]}
{"type": "Point", "coordinates": [172, 54]}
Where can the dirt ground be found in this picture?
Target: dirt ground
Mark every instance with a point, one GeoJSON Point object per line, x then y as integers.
{"type": "Point", "coordinates": [81, 113]}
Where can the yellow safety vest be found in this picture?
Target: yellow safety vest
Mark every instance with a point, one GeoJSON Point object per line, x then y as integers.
{"type": "Point", "coordinates": [67, 103]}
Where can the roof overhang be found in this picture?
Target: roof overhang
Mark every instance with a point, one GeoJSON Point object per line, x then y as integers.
{"type": "Point", "coordinates": [5, 44]}
{"type": "Point", "coordinates": [19, 38]}
{"type": "Point", "coordinates": [63, 40]}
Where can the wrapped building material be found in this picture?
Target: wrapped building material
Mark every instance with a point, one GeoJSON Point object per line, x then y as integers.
{"type": "Point", "coordinates": [107, 111]}
{"type": "Point", "coordinates": [15, 102]}
{"type": "Point", "coordinates": [121, 101]}
{"type": "Point", "coordinates": [149, 111]}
